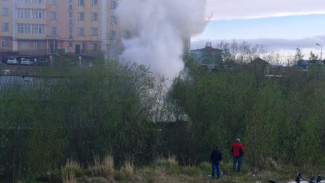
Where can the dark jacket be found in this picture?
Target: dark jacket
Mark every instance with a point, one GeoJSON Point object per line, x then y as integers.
{"type": "Point", "coordinates": [237, 149]}
{"type": "Point", "coordinates": [216, 156]}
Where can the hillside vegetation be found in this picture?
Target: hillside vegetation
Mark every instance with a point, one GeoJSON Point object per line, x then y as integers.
{"type": "Point", "coordinates": [84, 114]}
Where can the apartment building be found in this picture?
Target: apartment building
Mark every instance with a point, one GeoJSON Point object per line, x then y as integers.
{"type": "Point", "coordinates": [46, 26]}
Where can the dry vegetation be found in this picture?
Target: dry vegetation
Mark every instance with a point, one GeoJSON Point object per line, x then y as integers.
{"type": "Point", "coordinates": [69, 172]}
{"type": "Point", "coordinates": [167, 170]}
{"type": "Point", "coordinates": [104, 168]}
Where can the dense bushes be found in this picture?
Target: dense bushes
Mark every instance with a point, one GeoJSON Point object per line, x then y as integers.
{"type": "Point", "coordinates": [278, 119]}
{"type": "Point", "coordinates": [77, 114]}
{"type": "Point", "coordinates": [114, 109]}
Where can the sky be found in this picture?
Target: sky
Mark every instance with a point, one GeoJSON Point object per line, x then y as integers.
{"type": "Point", "coordinates": [281, 25]}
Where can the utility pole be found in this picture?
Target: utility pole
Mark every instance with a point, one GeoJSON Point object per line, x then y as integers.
{"type": "Point", "coordinates": [321, 50]}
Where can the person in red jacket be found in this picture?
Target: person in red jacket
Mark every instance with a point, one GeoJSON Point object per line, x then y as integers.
{"type": "Point", "coordinates": [237, 150]}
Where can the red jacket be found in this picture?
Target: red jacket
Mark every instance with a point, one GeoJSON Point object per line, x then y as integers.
{"type": "Point", "coordinates": [237, 149]}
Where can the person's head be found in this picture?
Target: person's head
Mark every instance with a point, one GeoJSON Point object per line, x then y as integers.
{"type": "Point", "coordinates": [238, 140]}
{"type": "Point", "coordinates": [217, 147]}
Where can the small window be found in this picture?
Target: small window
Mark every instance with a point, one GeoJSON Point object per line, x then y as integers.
{"type": "Point", "coordinates": [5, 12]}
{"type": "Point", "coordinates": [53, 31]}
{"type": "Point", "coordinates": [94, 2]}
{"type": "Point", "coordinates": [70, 44]}
{"type": "Point", "coordinates": [81, 16]}
{"type": "Point", "coordinates": [53, 15]}
{"type": "Point", "coordinates": [127, 35]}
{"type": "Point", "coordinates": [113, 4]}
{"type": "Point", "coordinates": [83, 46]}
{"type": "Point", "coordinates": [81, 31]}
{"type": "Point", "coordinates": [37, 45]}
{"type": "Point", "coordinates": [113, 35]}
{"type": "Point", "coordinates": [5, 27]}
{"type": "Point", "coordinates": [94, 16]}
{"type": "Point", "coordinates": [81, 2]}
{"type": "Point", "coordinates": [94, 46]}
{"type": "Point", "coordinates": [25, 45]}
{"type": "Point", "coordinates": [113, 20]}
{"type": "Point", "coordinates": [94, 31]}
{"type": "Point", "coordinates": [5, 42]}
{"type": "Point", "coordinates": [70, 18]}
{"type": "Point", "coordinates": [53, 2]}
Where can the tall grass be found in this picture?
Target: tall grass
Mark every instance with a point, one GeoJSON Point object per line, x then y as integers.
{"type": "Point", "coordinates": [128, 170]}
{"type": "Point", "coordinates": [69, 172]}
{"type": "Point", "coordinates": [104, 168]}
{"type": "Point", "coordinates": [170, 161]}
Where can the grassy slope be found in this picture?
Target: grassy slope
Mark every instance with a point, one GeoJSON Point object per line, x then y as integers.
{"type": "Point", "coordinates": [169, 171]}
{"type": "Point", "coordinates": [174, 173]}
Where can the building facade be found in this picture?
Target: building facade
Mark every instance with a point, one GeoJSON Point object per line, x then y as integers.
{"type": "Point", "coordinates": [38, 27]}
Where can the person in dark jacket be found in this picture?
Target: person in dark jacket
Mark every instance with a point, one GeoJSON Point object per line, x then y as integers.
{"type": "Point", "coordinates": [216, 157]}
{"type": "Point", "coordinates": [237, 150]}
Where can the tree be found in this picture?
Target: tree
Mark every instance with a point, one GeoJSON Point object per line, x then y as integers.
{"type": "Point", "coordinates": [313, 57]}
{"type": "Point", "coordinates": [298, 56]}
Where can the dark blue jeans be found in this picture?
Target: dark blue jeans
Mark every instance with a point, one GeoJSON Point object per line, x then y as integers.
{"type": "Point", "coordinates": [236, 159]}
{"type": "Point", "coordinates": [214, 166]}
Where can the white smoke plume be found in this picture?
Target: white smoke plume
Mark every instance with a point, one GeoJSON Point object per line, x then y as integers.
{"type": "Point", "coordinates": [160, 28]}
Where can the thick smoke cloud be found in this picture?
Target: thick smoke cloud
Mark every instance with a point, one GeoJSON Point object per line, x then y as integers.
{"type": "Point", "coordinates": [159, 28]}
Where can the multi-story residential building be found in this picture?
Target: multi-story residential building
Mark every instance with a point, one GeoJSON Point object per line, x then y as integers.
{"type": "Point", "coordinates": [6, 22]}
{"type": "Point", "coordinates": [46, 26]}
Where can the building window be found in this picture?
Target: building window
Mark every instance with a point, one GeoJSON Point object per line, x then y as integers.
{"type": "Point", "coordinates": [24, 13]}
{"type": "Point", "coordinates": [5, 27]}
{"type": "Point", "coordinates": [94, 46]}
{"type": "Point", "coordinates": [113, 4]}
{"type": "Point", "coordinates": [113, 35]}
{"type": "Point", "coordinates": [113, 20]}
{"type": "Point", "coordinates": [30, 13]}
{"type": "Point", "coordinates": [53, 31]}
{"type": "Point", "coordinates": [37, 45]}
{"type": "Point", "coordinates": [70, 4]}
{"type": "Point", "coordinates": [70, 44]}
{"type": "Point", "coordinates": [30, 1]}
{"type": "Point", "coordinates": [70, 32]}
{"type": "Point", "coordinates": [70, 18]}
{"type": "Point", "coordinates": [81, 31]}
{"type": "Point", "coordinates": [94, 16]}
{"type": "Point", "coordinates": [23, 28]}
{"type": "Point", "coordinates": [81, 16]}
{"type": "Point", "coordinates": [83, 46]}
{"type": "Point", "coordinates": [127, 35]}
{"type": "Point", "coordinates": [81, 2]}
{"type": "Point", "coordinates": [25, 45]}
{"type": "Point", "coordinates": [94, 2]}
{"type": "Point", "coordinates": [53, 2]}
{"type": "Point", "coordinates": [94, 31]}
{"type": "Point", "coordinates": [5, 12]}
{"type": "Point", "coordinates": [37, 14]}
{"type": "Point", "coordinates": [52, 15]}
{"type": "Point", "coordinates": [31, 28]}
{"type": "Point", "coordinates": [38, 29]}
{"type": "Point", "coordinates": [5, 42]}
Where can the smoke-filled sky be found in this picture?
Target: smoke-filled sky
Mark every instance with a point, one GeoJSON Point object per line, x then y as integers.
{"type": "Point", "coordinates": [159, 28]}
{"type": "Point", "coordinates": [279, 24]}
